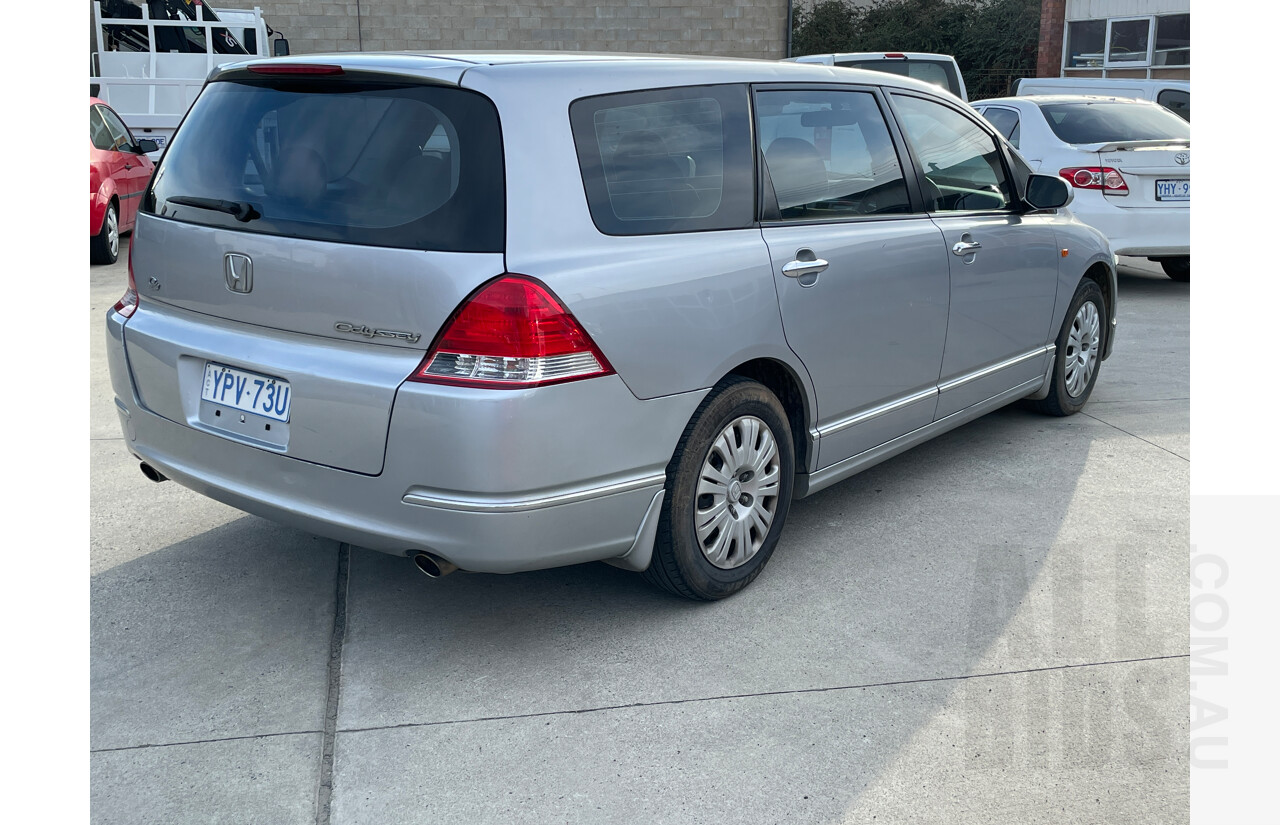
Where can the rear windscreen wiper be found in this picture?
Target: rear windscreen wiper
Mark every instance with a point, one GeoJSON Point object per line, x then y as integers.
{"type": "Point", "coordinates": [242, 210]}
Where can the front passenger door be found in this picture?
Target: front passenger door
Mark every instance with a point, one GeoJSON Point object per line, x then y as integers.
{"type": "Point", "coordinates": [1003, 262]}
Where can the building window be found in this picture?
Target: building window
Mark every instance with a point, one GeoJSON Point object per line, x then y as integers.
{"type": "Point", "coordinates": [1129, 42]}
{"type": "Point", "coordinates": [1085, 42]}
{"type": "Point", "coordinates": [1173, 40]}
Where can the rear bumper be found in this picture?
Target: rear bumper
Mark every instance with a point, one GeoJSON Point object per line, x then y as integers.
{"type": "Point", "coordinates": [1138, 231]}
{"type": "Point", "coordinates": [491, 481]}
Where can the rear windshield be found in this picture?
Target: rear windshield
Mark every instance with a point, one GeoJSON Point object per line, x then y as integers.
{"type": "Point", "coordinates": [942, 74]}
{"type": "Point", "coordinates": [1107, 122]}
{"type": "Point", "coordinates": [336, 159]}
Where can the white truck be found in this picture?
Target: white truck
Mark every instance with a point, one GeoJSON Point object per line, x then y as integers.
{"type": "Point", "coordinates": [150, 58]}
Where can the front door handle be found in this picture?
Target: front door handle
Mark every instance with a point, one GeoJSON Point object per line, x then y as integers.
{"type": "Point", "coordinates": [963, 248]}
{"type": "Point", "coordinates": [804, 265]}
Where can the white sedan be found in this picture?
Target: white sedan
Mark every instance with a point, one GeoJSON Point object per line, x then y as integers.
{"type": "Point", "coordinates": [1128, 160]}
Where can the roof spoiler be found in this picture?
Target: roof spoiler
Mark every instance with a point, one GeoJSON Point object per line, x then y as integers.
{"type": "Point", "coordinates": [1122, 145]}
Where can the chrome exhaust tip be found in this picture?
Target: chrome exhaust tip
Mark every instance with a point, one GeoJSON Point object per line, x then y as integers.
{"type": "Point", "coordinates": [434, 566]}
{"type": "Point", "coordinates": [152, 473]}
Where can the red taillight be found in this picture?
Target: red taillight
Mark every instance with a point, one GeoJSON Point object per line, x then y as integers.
{"type": "Point", "coordinates": [513, 333]}
{"type": "Point", "coordinates": [1096, 177]}
{"type": "Point", "coordinates": [296, 68]}
{"type": "Point", "coordinates": [129, 301]}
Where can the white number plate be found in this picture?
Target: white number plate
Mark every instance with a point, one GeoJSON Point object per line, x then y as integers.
{"type": "Point", "coordinates": [246, 391]}
{"type": "Point", "coordinates": [1173, 190]}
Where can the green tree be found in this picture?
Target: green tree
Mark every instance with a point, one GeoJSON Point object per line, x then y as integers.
{"type": "Point", "coordinates": [993, 41]}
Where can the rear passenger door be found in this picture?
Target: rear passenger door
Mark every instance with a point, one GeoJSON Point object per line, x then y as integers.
{"type": "Point", "coordinates": [862, 280]}
{"type": "Point", "coordinates": [1003, 261]}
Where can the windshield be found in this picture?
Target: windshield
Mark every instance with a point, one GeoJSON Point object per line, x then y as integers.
{"type": "Point", "coordinates": [1108, 121]}
{"type": "Point", "coordinates": [338, 159]}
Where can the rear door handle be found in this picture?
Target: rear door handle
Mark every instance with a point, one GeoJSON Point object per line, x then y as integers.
{"type": "Point", "coordinates": [963, 248]}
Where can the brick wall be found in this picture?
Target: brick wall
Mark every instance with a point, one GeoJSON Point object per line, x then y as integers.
{"type": "Point", "coordinates": [735, 28]}
{"type": "Point", "coordinates": [1053, 15]}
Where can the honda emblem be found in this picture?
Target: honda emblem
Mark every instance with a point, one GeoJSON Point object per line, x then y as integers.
{"type": "Point", "coordinates": [239, 272]}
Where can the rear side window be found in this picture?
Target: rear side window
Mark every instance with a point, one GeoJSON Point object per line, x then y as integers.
{"type": "Point", "coordinates": [372, 163]}
{"type": "Point", "coordinates": [930, 71]}
{"type": "Point", "coordinates": [1176, 101]}
{"type": "Point", "coordinates": [1005, 121]}
{"type": "Point", "coordinates": [1105, 122]}
{"type": "Point", "coordinates": [669, 160]}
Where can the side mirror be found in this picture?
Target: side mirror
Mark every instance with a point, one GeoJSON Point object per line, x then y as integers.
{"type": "Point", "coordinates": [280, 47]}
{"type": "Point", "coordinates": [1048, 192]}
{"type": "Point", "coordinates": [146, 147]}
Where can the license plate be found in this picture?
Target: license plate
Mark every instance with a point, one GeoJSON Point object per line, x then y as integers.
{"type": "Point", "coordinates": [246, 391]}
{"type": "Point", "coordinates": [1173, 190]}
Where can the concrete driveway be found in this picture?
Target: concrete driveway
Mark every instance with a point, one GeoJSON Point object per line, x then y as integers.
{"type": "Point", "coordinates": [991, 627]}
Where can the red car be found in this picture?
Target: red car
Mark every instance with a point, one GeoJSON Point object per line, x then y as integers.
{"type": "Point", "coordinates": [119, 170]}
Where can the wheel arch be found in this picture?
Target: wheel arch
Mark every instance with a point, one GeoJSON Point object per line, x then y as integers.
{"type": "Point", "coordinates": [792, 392]}
{"type": "Point", "coordinates": [1104, 276]}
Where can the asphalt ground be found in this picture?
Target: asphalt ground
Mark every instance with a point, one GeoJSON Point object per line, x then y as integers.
{"type": "Point", "coordinates": [991, 627]}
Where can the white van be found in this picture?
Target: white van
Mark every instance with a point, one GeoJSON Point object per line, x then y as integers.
{"type": "Point", "coordinates": [1174, 95]}
{"type": "Point", "coordinates": [938, 69]}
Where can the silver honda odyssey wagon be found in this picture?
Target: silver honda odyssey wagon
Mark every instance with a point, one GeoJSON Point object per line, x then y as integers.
{"type": "Point", "coordinates": [507, 312]}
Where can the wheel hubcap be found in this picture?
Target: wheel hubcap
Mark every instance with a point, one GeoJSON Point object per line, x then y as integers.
{"type": "Point", "coordinates": [1082, 349]}
{"type": "Point", "coordinates": [113, 232]}
{"type": "Point", "coordinates": [737, 494]}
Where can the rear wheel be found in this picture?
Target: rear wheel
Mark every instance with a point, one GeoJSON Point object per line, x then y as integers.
{"type": "Point", "coordinates": [1179, 269]}
{"type": "Point", "coordinates": [728, 493]}
{"type": "Point", "coordinates": [104, 247]}
{"type": "Point", "coordinates": [1078, 354]}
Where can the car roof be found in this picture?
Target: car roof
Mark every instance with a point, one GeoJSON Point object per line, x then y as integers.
{"type": "Point", "coordinates": [670, 69]}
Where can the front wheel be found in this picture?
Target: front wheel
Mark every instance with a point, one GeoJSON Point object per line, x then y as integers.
{"type": "Point", "coordinates": [1078, 354]}
{"type": "Point", "coordinates": [104, 247]}
{"type": "Point", "coordinates": [728, 492]}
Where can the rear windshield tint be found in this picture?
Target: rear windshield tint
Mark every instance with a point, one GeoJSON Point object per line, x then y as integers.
{"type": "Point", "coordinates": [938, 73]}
{"type": "Point", "coordinates": [1107, 122]}
{"type": "Point", "coordinates": [372, 163]}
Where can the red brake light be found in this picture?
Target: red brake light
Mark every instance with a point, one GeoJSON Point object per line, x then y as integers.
{"type": "Point", "coordinates": [896, 54]}
{"type": "Point", "coordinates": [296, 68]}
{"type": "Point", "coordinates": [1096, 177]}
{"type": "Point", "coordinates": [129, 301]}
{"type": "Point", "coordinates": [512, 333]}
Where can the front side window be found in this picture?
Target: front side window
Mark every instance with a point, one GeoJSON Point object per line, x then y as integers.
{"type": "Point", "coordinates": [349, 160]}
{"type": "Point", "coordinates": [670, 160]}
{"type": "Point", "coordinates": [121, 138]}
{"type": "Point", "coordinates": [829, 155]}
{"type": "Point", "coordinates": [960, 164]}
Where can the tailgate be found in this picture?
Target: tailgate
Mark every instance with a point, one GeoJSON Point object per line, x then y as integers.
{"type": "Point", "coordinates": [302, 242]}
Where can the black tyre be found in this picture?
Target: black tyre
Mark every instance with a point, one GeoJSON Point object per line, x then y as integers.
{"type": "Point", "coordinates": [1179, 269]}
{"type": "Point", "coordinates": [1079, 352]}
{"type": "Point", "coordinates": [104, 247]}
{"type": "Point", "coordinates": [728, 492]}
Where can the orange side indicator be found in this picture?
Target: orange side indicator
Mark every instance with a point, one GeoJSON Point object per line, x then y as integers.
{"type": "Point", "coordinates": [1064, 253]}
